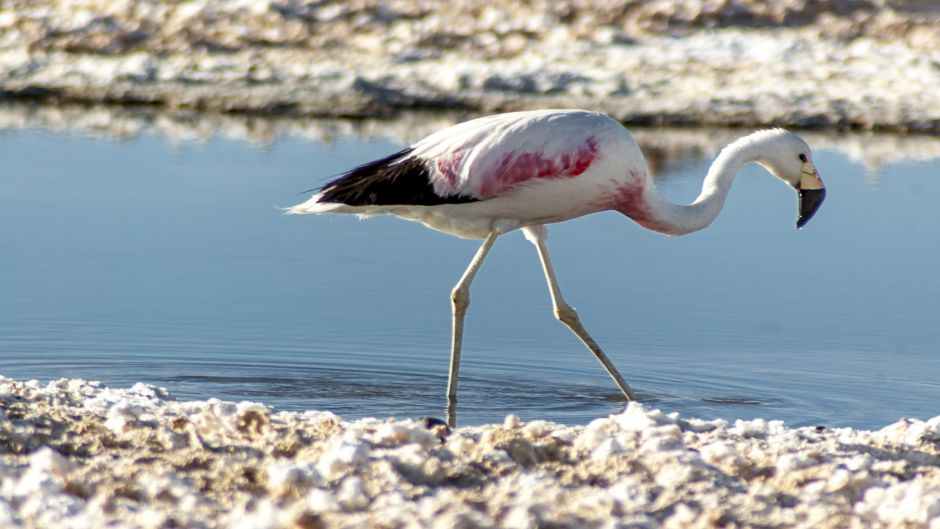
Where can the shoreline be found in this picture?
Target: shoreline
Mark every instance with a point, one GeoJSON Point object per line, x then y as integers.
{"type": "Point", "coordinates": [826, 64]}
{"type": "Point", "coordinates": [76, 454]}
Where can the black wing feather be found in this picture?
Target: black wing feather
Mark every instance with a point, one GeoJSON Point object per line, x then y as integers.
{"type": "Point", "coordinates": [397, 179]}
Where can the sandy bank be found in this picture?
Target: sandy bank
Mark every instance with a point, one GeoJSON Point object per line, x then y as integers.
{"type": "Point", "coordinates": [77, 454]}
{"type": "Point", "coordinates": [867, 64]}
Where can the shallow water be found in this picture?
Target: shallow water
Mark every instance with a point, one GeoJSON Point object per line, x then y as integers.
{"type": "Point", "coordinates": [169, 263]}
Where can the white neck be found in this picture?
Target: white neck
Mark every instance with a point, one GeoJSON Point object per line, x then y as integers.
{"type": "Point", "coordinates": [677, 219]}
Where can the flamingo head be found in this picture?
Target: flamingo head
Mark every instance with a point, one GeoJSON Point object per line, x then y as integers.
{"type": "Point", "coordinates": [790, 159]}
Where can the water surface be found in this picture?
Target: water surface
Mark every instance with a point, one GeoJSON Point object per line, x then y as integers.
{"type": "Point", "coordinates": [169, 263]}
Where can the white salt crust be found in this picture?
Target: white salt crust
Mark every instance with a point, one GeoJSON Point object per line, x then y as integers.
{"type": "Point", "coordinates": [78, 454]}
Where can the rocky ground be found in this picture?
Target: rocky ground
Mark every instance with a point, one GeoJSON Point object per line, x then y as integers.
{"type": "Point", "coordinates": [78, 454]}
{"type": "Point", "coordinates": [844, 63]}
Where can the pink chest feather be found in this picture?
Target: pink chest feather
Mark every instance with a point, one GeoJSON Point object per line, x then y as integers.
{"type": "Point", "coordinates": [630, 199]}
{"type": "Point", "coordinates": [515, 167]}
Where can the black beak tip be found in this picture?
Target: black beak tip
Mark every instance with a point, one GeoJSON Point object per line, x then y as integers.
{"type": "Point", "coordinates": [810, 201]}
{"type": "Point", "coordinates": [802, 221]}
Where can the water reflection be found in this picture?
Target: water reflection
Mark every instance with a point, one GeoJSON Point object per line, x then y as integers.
{"type": "Point", "coordinates": [666, 149]}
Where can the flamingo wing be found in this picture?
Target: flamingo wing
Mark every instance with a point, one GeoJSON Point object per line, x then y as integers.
{"type": "Point", "coordinates": [397, 179]}
{"type": "Point", "coordinates": [478, 159]}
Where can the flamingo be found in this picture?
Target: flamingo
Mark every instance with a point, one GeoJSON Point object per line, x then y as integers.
{"type": "Point", "coordinates": [523, 170]}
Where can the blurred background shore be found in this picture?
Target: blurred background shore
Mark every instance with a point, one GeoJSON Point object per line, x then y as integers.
{"type": "Point", "coordinates": [868, 64]}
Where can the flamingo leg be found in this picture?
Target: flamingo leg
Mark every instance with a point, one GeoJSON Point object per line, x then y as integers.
{"type": "Point", "coordinates": [460, 296]}
{"type": "Point", "coordinates": [566, 314]}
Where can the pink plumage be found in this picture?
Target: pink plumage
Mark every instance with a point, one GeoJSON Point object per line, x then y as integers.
{"type": "Point", "coordinates": [486, 157]}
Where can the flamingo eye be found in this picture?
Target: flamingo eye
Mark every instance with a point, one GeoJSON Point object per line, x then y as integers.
{"type": "Point", "coordinates": [803, 158]}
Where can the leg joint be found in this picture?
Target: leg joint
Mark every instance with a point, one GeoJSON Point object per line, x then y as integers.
{"type": "Point", "coordinates": [566, 314]}
{"type": "Point", "coordinates": [460, 297]}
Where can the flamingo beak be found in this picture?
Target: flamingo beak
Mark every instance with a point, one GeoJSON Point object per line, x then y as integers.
{"type": "Point", "coordinates": [812, 193]}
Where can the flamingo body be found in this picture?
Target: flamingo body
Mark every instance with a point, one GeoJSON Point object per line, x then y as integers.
{"type": "Point", "coordinates": [488, 176]}
{"type": "Point", "coordinates": [498, 173]}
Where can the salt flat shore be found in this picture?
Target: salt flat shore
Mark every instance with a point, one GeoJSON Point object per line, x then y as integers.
{"type": "Point", "coordinates": [78, 454]}
{"type": "Point", "coordinates": [871, 64]}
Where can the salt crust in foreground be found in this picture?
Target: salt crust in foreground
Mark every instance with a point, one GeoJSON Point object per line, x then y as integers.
{"type": "Point", "coordinates": [78, 454]}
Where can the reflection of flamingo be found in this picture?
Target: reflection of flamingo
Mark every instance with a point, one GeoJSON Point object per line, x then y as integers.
{"type": "Point", "coordinates": [488, 176]}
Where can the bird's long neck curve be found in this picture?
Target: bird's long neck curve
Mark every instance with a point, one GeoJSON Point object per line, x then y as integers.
{"type": "Point", "coordinates": [679, 219]}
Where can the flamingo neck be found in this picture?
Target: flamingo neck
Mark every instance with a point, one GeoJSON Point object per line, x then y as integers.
{"type": "Point", "coordinates": [658, 214]}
